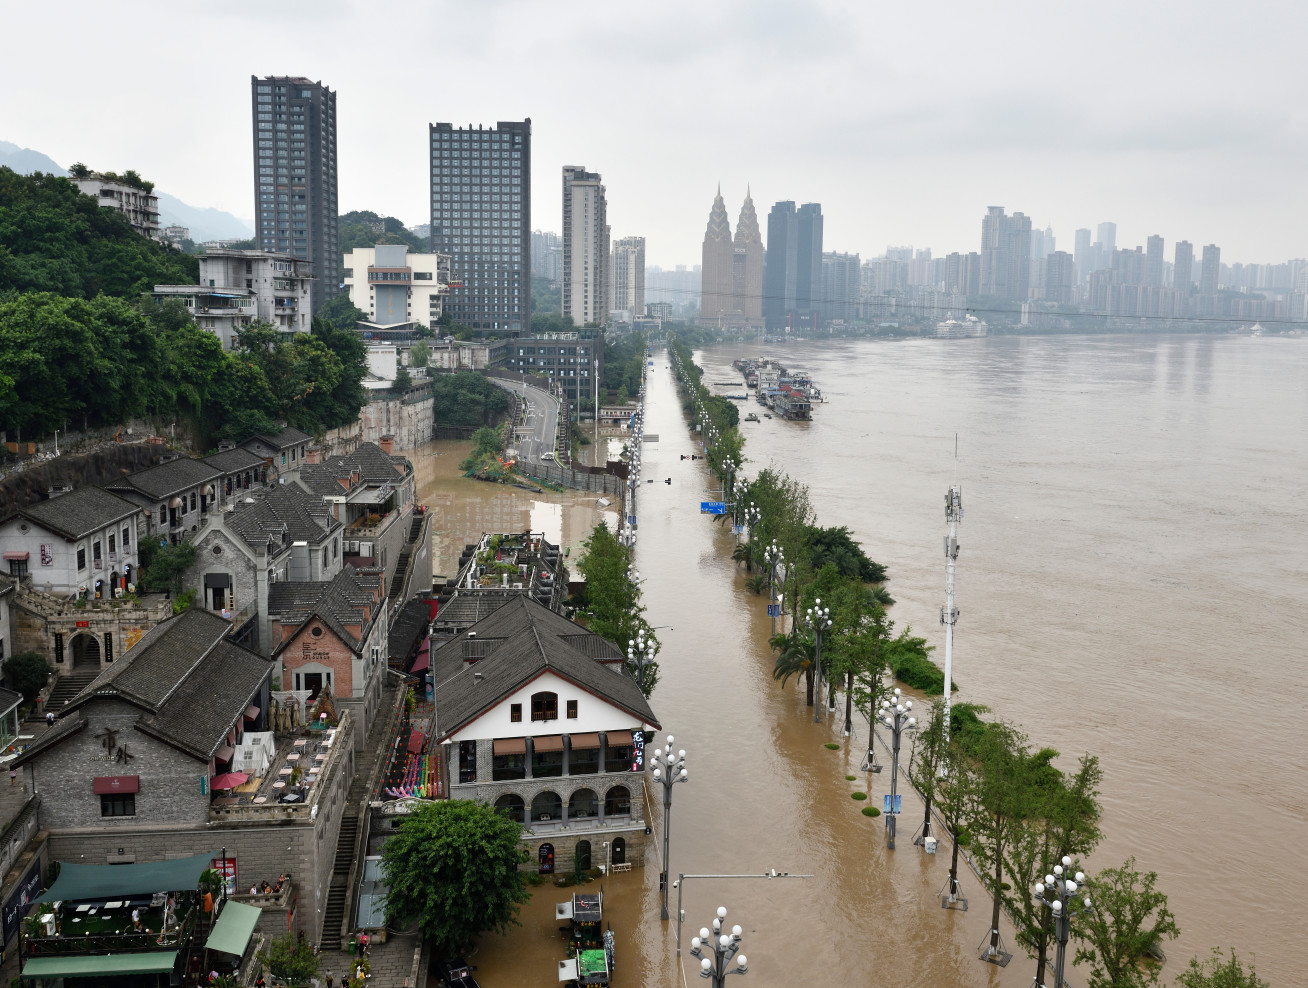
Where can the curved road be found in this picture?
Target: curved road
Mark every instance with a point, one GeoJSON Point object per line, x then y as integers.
{"type": "Point", "coordinates": [540, 433]}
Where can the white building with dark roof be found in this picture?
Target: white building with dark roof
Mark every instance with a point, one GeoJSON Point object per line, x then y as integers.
{"type": "Point", "coordinates": [172, 495]}
{"type": "Point", "coordinates": [538, 717]}
{"type": "Point", "coordinates": [282, 452]}
{"type": "Point", "coordinates": [82, 540]}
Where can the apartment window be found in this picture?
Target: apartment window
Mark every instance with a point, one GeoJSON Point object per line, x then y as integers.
{"type": "Point", "coordinates": [112, 544]}
{"type": "Point", "coordinates": [95, 552]}
{"type": "Point", "coordinates": [572, 709]}
{"type": "Point", "coordinates": [118, 804]}
{"type": "Point", "coordinates": [515, 713]}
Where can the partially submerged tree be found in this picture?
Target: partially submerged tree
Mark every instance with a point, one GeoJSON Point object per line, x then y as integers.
{"type": "Point", "coordinates": [453, 866]}
{"type": "Point", "coordinates": [1124, 933]}
{"type": "Point", "coordinates": [1219, 972]}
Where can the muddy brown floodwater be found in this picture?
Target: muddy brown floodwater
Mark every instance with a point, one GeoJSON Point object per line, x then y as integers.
{"type": "Point", "coordinates": [1130, 585]}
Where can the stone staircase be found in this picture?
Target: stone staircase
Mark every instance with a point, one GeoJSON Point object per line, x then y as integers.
{"type": "Point", "coordinates": [67, 687]}
{"type": "Point", "coordinates": [338, 893]}
{"type": "Point", "coordinates": [401, 576]}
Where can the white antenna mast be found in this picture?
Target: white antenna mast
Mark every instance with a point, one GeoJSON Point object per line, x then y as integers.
{"type": "Point", "coordinates": [949, 613]}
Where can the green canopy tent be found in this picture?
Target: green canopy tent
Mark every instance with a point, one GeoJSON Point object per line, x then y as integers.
{"type": "Point", "coordinates": [231, 934]}
{"type": "Point", "coordinates": [79, 882]}
{"type": "Point", "coordinates": [100, 965]}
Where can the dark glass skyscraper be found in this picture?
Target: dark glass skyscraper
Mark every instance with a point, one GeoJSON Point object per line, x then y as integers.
{"type": "Point", "coordinates": [792, 269]}
{"type": "Point", "coordinates": [295, 204]}
{"type": "Point", "coordinates": [481, 216]}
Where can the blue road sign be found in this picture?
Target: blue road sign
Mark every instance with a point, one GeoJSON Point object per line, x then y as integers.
{"type": "Point", "coordinates": [712, 507]}
{"type": "Point", "coordinates": [774, 610]}
{"type": "Point", "coordinates": [885, 805]}
{"type": "Point", "coordinates": [631, 520]}
{"type": "Point", "coordinates": [738, 529]}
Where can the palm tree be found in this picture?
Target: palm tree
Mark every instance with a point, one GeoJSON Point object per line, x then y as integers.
{"type": "Point", "coordinates": [756, 583]}
{"type": "Point", "coordinates": [797, 653]}
{"type": "Point", "coordinates": [743, 554]}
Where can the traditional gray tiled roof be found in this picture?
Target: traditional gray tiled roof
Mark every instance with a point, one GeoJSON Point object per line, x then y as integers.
{"type": "Point", "coordinates": [234, 460]}
{"type": "Point", "coordinates": [285, 439]}
{"type": "Point", "coordinates": [326, 479]}
{"type": "Point", "coordinates": [284, 513]}
{"type": "Point", "coordinates": [527, 640]}
{"type": "Point", "coordinates": [407, 628]}
{"type": "Point", "coordinates": [374, 467]}
{"type": "Point", "coordinates": [8, 698]}
{"type": "Point", "coordinates": [66, 724]}
{"type": "Point", "coordinates": [173, 477]}
{"type": "Point", "coordinates": [190, 681]}
{"type": "Point", "coordinates": [350, 597]}
{"type": "Point", "coordinates": [80, 512]}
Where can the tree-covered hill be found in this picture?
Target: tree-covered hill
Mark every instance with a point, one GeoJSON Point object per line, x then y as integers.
{"type": "Point", "coordinates": [54, 239]}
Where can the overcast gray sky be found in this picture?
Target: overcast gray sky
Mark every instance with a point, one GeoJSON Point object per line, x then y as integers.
{"type": "Point", "coordinates": [904, 120]}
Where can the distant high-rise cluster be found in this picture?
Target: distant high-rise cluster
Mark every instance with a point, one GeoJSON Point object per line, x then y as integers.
{"type": "Point", "coordinates": [732, 279]}
{"type": "Point", "coordinates": [295, 176]}
{"type": "Point", "coordinates": [1005, 254]}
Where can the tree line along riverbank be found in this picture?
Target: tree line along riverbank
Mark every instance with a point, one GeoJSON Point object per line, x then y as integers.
{"type": "Point", "coordinates": [1025, 823]}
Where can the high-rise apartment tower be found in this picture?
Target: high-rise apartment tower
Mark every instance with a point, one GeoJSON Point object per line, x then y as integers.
{"type": "Point", "coordinates": [627, 275]}
{"type": "Point", "coordinates": [1211, 271]}
{"type": "Point", "coordinates": [295, 204]}
{"type": "Point", "coordinates": [481, 217]}
{"type": "Point", "coordinates": [1005, 254]}
{"type": "Point", "coordinates": [1183, 267]}
{"type": "Point", "coordinates": [585, 247]}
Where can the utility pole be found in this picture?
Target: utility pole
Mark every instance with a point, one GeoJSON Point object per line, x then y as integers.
{"type": "Point", "coordinates": [949, 613]}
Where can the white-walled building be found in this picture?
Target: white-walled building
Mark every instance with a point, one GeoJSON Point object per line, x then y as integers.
{"type": "Point", "coordinates": [585, 247]}
{"type": "Point", "coordinates": [83, 540]}
{"type": "Point", "coordinates": [628, 277]}
{"type": "Point", "coordinates": [539, 718]}
{"type": "Point", "coordinates": [140, 205]}
{"type": "Point", "coordinates": [393, 285]}
{"type": "Point", "coordinates": [239, 286]}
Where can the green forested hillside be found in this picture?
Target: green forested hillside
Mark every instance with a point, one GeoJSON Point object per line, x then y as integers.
{"type": "Point", "coordinates": [81, 344]}
{"type": "Point", "coordinates": [54, 239]}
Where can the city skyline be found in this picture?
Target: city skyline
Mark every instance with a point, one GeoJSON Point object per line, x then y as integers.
{"type": "Point", "coordinates": [1208, 157]}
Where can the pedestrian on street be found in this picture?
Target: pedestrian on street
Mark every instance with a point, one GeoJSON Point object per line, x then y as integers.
{"type": "Point", "coordinates": [49, 718]}
{"type": "Point", "coordinates": [13, 777]}
{"type": "Point", "coordinates": [331, 979]}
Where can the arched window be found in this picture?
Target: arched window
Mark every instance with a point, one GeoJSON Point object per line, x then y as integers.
{"type": "Point", "coordinates": [583, 805]}
{"type": "Point", "coordinates": [547, 806]}
{"type": "Point", "coordinates": [544, 706]}
{"type": "Point", "coordinates": [511, 805]}
{"type": "Point", "coordinates": [617, 802]}
{"type": "Point", "coordinates": [581, 856]}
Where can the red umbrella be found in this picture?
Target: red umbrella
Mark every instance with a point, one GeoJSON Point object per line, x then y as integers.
{"type": "Point", "coordinates": [228, 780]}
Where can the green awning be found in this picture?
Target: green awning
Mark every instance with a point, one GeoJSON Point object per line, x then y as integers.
{"type": "Point", "coordinates": [236, 923]}
{"type": "Point", "coordinates": [79, 882]}
{"type": "Point", "coordinates": [158, 962]}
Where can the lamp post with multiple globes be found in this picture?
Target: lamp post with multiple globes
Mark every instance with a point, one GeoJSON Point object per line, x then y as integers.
{"type": "Point", "coordinates": [668, 771]}
{"type": "Point", "coordinates": [1058, 891]}
{"type": "Point", "coordinates": [716, 950]}
{"type": "Point", "coordinates": [898, 717]}
{"type": "Point", "coordinates": [818, 618]}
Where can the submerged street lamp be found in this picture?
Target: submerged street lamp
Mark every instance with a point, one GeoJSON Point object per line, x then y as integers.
{"type": "Point", "coordinates": [818, 618]}
{"type": "Point", "coordinates": [721, 947]}
{"type": "Point", "coordinates": [667, 772]}
{"type": "Point", "coordinates": [897, 717]}
{"type": "Point", "coordinates": [1058, 892]}
{"type": "Point", "coordinates": [640, 652]}
{"type": "Point", "coordinates": [774, 557]}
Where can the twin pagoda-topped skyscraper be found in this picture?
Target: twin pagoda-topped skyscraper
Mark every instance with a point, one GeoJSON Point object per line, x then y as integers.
{"type": "Point", "coordinates": [731, 289]}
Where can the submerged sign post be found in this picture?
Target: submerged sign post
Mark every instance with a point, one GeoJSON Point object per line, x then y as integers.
{"type": "Point", "coordinates": [712, 507]}
{"type": "Point", "coordinates": [887, 807]}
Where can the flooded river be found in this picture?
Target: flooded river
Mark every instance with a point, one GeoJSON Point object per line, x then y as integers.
{"type": "Point", "coordinates": [1131, 584]}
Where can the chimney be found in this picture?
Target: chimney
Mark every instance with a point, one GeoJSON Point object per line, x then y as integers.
{"type": "Point", "coordinates": [354, 477]}
{"type": "Point", "coordinates": [313, 454]}
{"type": "Point", "coordinates": [387, 444]}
